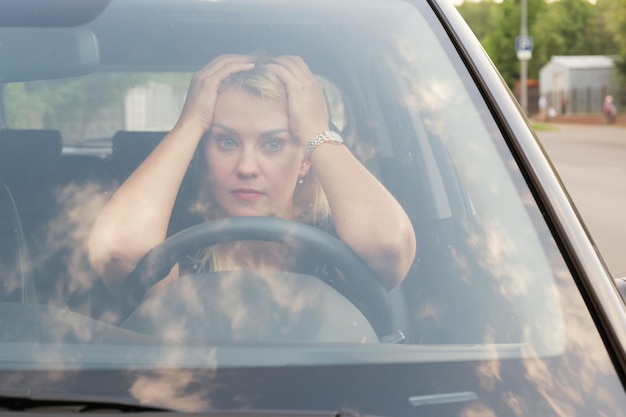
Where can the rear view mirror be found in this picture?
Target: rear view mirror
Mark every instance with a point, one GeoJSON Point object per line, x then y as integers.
{"type": "Point", "coordinates": [28, 54]}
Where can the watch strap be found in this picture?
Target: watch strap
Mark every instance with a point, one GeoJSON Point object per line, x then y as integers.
{"type": "Point", "coordinates": [324, 137]}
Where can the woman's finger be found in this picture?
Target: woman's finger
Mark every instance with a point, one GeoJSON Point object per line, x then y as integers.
{"type": "Point", "coordinates": [300, 74]}
{"type": "Point", "coordinates": [308, 115]}
{"type": "Point", "coordinates": [205, 84]}
{"type": "Point", "coordinates": [224, 65]}
{"type": "Point", "coordinates": [296, 65]}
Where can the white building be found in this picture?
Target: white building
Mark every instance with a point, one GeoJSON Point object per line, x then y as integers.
{"type": "Point", "coordinates": [577, 83]}
{"type": "Point", "coordinates": [154, 106]}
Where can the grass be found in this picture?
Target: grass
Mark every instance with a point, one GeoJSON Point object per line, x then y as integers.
{"type": "Point", "coordinates": [539, 126]}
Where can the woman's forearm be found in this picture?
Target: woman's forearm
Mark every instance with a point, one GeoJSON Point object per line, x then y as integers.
{"type": "Point", "coordinates": [136, 217]}
{"type": "Point", "coordinates": [367, 217]}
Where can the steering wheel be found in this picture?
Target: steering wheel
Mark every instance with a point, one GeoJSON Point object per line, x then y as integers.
{"type": "Point", "coordinates": [361, 286]}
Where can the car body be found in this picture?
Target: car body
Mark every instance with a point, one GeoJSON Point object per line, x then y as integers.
{"type": "Point", "coordinates": [508, 309]}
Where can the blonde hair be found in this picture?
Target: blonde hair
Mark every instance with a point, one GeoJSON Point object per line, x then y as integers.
{"type": "Point", "coordinates": [310, 203]}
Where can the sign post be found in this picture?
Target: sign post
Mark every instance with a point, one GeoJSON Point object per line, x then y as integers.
{"type": "Point", "coordinates": [524, 48]}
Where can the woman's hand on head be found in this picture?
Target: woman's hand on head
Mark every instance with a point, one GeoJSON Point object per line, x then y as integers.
{"type": "Point", "coordinates": [308, 115]}
{"type": "Point", "coordinates": [205, 85]}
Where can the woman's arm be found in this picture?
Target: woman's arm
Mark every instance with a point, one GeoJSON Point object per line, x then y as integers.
{"type": "Point", "coordinates": [136, 217]}
{"type": "Point", "coordinates": [367, 217]}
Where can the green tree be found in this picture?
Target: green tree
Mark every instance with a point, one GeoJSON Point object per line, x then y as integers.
{"type": "Point", "coordinates": [616, 22]}
{"type": "Point", "coordinates": [599, 35]}
{"type": "Point", "coordinates": [569, 27]}
{"type": "Point", "coordinates": [480, 16]}
{"type": "Point", "coordinates": [561, 27]}
{"type": "Point", "coordinates": [500, 43]}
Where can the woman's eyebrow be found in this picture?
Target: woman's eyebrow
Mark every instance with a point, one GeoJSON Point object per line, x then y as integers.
{"type": "Point", "coordinates": [275, 132]}
{"type": "Point", "coordinates": [227, 129]}
{"type": "Point", "coordinates": [265, 134]}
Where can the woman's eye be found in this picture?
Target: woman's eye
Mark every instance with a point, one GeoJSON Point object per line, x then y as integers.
{"type": "Point", "coordinates": [226, 143]}
{"type": "Point", "coordinates": [274, 145]}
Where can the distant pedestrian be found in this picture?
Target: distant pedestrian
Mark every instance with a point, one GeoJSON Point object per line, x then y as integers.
{"type": "Point", "coordinates": [563, 104]}
{"type": "Point", "coordinates": [543, 108]}
{"type": "Point", "coordinates": [608, 108]}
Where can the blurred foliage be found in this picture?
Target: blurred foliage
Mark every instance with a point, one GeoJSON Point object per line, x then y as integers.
{"type": "Point", "coordinates": [50, 103]}
{"type": "Point", "coordinates": [560, 27]}
{"type": "Point", "coordinates": [34, 104]}
{"type": "Point", "coordinates": [616, 22]}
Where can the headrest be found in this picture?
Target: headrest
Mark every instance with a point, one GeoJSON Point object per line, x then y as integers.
{"type": "Point", "coordinates": [29, 152]}
{"type": "Point", "coordinates": [130, 148]}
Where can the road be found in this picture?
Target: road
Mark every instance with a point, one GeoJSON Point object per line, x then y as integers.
{"type": "Point", "coordinates": [591, 161]}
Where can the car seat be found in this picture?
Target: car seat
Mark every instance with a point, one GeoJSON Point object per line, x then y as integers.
{"type": "Point", "coordinates": [26, 159]}
{"type": "Point", "coordinates": [16, 279]}
{"type": "Point", "coordinates": [130, 148]}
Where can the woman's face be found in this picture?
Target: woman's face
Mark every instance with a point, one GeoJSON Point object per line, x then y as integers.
{"type": "Point", "coordinates": [253, 161]}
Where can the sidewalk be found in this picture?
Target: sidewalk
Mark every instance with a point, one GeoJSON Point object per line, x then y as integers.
{"type": "Point", "coordinates": [600, 134]}
{"type": "Point", "coordinates": [583, 118]}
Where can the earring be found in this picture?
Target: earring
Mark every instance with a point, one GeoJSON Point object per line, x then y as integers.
{"type": "Point", "coordinates": [300, 179]}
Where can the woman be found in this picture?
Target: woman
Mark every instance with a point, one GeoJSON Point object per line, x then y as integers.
{"type": "Point", "coordinates": [266, 155]}
{"type": "Point", "coordinates": [608, 107]}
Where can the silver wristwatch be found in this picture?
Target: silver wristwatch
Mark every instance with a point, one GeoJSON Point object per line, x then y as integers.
{"type": "Point", "coordinates": [325, 137]}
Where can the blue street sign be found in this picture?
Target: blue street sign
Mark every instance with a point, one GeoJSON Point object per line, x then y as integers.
{"type": "Point", "coordinates": [524, 47]}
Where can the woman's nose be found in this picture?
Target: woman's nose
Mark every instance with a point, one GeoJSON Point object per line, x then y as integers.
{"type": "Point", "coordinates": [247, 164]}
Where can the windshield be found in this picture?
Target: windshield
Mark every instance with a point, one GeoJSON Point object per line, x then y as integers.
{"type": "Point", "coordinates": [451, 293]}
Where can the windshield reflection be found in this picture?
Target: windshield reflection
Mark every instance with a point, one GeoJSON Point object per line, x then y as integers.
{"type": "Point", "coordinates": [174, 389]}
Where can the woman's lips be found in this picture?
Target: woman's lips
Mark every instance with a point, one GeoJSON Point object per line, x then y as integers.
{"type": "Point", "coordinates": [246, 194]}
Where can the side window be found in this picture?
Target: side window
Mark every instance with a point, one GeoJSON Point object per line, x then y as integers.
{"type": "Point", "coordinates": [89, 110]}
